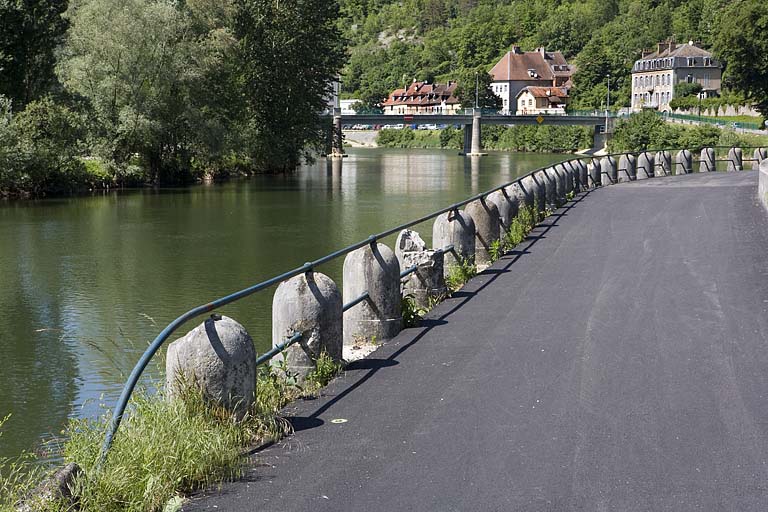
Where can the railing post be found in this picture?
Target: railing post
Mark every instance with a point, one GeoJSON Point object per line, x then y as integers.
{"type": "Point", "coordinates": [593, 171]}
{"type": "Point", "coordinates": [707, 163]}
{"type": "Point", "coordinates": [458, 229]}
{"type": "Point", "coordinates": [428, 281]}
{"type": "Point", "coordinates": [627, 170]}
{"type": "Point", "coordinates": [309, 304]}
{"type": "Point", "coordinates": [508, 206]}
{"type": "Point", "coordinates": [485, 215]}
{"type": "Point", "coordinates": [608, 173]}
{"type": "Point", "coordinates": [645, 165]}
{"type": "Point", "coordinates": [683, 162]}
{"type": "Point", "coordinates": [549, 177]}
{"type": "Point", "coordinates": [735, 160]}
{"type": "Point", "coordinates": [760, 154]}
{"type": "Point", "coordinates": [219, 357]}
{"type": "Point", "coordinates": [540, 179]}
{"type": "Point", "coordinates": [663, 163]}
{"type": "Point", "coordinates": [373, 269]}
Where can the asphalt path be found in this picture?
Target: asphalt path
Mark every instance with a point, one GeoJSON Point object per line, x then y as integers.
{"type": "Point", "coordinates": [616, 360]}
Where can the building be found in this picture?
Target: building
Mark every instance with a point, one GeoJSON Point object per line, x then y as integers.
{"type": "Point", "coordinates": [423, 98]}
{"type": "Point", "coordinates": [518, 69]}
{"type": "Point", "coordinates": [347, 106]}
{"type": "Point", "coordinates": [655, 75]}
{"type": "Point", "coordinates": [532, 100]}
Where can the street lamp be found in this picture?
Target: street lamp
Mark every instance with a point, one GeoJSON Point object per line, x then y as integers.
{"type": "Point", "coordinates": [477, 88]}
{"type": "Point", "coordinates": [608, 101]}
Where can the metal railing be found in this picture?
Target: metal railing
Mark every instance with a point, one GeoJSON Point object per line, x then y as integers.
{"type": "Point", "coordinates": [144, 360]}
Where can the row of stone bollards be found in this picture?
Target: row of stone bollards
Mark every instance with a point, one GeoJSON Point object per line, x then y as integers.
{"type": "Point", "coordinates": [309, 308]}
{"type": "Point", "coordinates": [646, 165]}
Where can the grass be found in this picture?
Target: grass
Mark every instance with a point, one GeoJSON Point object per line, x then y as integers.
{"type": "Point", "coordinates": [165, 448]}
{"type": "Point", "coordinates": [737, 119]}
{"type": "Point", "coordinates": [459, 273]}
{"type": "Point", "coordinates": [412, 313]}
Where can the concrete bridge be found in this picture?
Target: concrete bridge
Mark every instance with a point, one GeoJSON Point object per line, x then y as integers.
{"type": "Point", "coordinates": [471, 123]}
{"type": "Point", "coordinates": [614, 360]}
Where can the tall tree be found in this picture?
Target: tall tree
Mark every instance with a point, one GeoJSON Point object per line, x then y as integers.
{"type": "Point", "coordinates": [290, 53]}
{"type": "Point", "coordinates": [30, 32]}
{"type": "Point", "coordinates": [475, 86]}
{"type": "Point", "coordinates": [742, 45]}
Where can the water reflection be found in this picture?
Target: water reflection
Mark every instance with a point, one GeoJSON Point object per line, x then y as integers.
{"type": "Point", "coordinates": [87, 283]}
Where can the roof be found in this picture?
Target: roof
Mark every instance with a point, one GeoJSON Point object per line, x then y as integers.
{"type": "Point", "coordinates": [515, 65]}
{"type": "Point", "coordinates": [555, 94]}
{"type": "Point", "coordinates": [423, 94]}
{"type": "Point", "coordinates": [683, 50]}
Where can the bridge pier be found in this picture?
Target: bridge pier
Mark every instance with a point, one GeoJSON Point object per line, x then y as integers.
{"type": "Point", "coordinates": [472, 139]}
{"type": "Point", "coordinates": [337, 140]}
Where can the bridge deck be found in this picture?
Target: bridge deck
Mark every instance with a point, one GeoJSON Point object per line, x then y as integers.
{"type": "Point", "coordinates": [617, 361]}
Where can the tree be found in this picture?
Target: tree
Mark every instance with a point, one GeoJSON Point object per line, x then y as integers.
{"type": "Point", "coordinates": [289, 52]}
{"type": "Point", "coordinates": [476, 80]}
{"type": "Point", "coordinates": [31, 31]}
{"type": "Point", "coordinates": [742, 45]}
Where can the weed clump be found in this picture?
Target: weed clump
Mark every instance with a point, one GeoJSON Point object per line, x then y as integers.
{"type": "Point", "coordinates": [459, 273]}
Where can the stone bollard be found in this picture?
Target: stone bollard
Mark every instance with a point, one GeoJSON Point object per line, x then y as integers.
{"type": "Point", "coordinates": [455, 227]}
{"type": "Point", "coordinates": [508, 206]}
{"type": "Point", "coordinates": [684, 162]}
{"type": "Point", "coordinates": [541, 190]}
{"type": "Point", "coordinates": [627, 171]}
{"type": "Point", "coordinates": [517, 191]}
{"type": "Point", "coordinates": [566, 169]}
{"type": "Point", "coordinates": [373, 269]}
{"type": "Point", "coordinates": [581, 166]}
{"type": "Point", "coordinates": [593, 171]}
{"type": "Point", "coordinates": [528, 191]}
{"type": "Point", "coordinates": [759, 155]}
{"type": "Point", "coordinates": [663, 163]}
{"type": "Point", "coordinates": [218, 356]}
{"type": "Point", "coordinates": [309, 304]}
{"type": "Point", "coordinates": [735, 160]}
{"type": "Point", "coordinates": [707, 163]}
{"type": "Point", "coordinates": [549, 178]}
{"type": "Point", "coordinates": [608, 172]}
{"type": "Point", "coordinates": [428, 281]}
{"type": "Point", "coordinates": [486, 217]}
{"type": "Point", "coordinates": [645, 165]}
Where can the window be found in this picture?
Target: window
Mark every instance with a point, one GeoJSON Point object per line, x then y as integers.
{"type": "Point", "coordinates": [530, 102]}
{"type": "Point", "coordinates": [689, 79]}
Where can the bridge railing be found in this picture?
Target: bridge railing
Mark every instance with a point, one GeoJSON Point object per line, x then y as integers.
{"type": "Point", "coordinates": [545, 186]}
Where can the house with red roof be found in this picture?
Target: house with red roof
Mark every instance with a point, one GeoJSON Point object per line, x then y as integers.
{"type": "Point", "coordinates": [423, 98]}
{"type": "Point", "coordinates": [534, 100]}
{"type": "Point", "coordinates": [518, 69]}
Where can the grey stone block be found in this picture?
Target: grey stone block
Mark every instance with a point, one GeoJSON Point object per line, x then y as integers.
{"type": "Point", "coordinates": [373, 269]}
{"type": "Point", "coordinates": [593, 172]}
{"type": "Point", "coordinates": [663, 163]}
{"type": "Point", "coordinates": [759, 155]}
{"type": "Point", "coordinates": [310, 304]}
{"type": "Point", "coordinates": [627, 168]}
{"type": "Point", "coordinates": [645, 165]}
{"type": "Point", "coordinates": [735, 160]}
{"type": "Point", "coordinates": [707, 162]}
{"type": "Point", "coordinates": [219, 357]}
{"type": "Point", "coordinates": [455, 227]}
{"type": "Point", "coordinates": [428, 281]}
{"type": "Point", "coordinates": [508, 206]}
{"type": "Point", "coordinates": [486, 218]}
{"type": "Point", "coordinates": [683, 162]}
{"type": "Point", "coordinates": [608, 171]}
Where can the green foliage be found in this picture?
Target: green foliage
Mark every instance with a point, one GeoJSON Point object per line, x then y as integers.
{"type": "Point", "coordinates": [39, 150]}
{"type": "Point", "coordinates": [740, 42]}
{"type": "Point", "coordinates": [412, 314]}
{"type": "Point", "coordinates": [684, 89]}
{"type": "Point", "coordinates": [521, 225]}
{"type": "Point", "coordinates": [325, 370]}
{"type": "Point", "coordinates": [496, 250]}
{"type": "Point", "coordinates": [289, 53]}
{"type": "Point", "coordinates": [537, 138]}
{"type": "Point", "coordinates": [18, 477]}
{"type": "Point", "coordinates": [31, 32]}
{"type": "Point", "coordinates": [647, 130]}
{"type": "Point", "coordinates": [459, 273]}
{"type": "Point", "coordinates": [473, 83]}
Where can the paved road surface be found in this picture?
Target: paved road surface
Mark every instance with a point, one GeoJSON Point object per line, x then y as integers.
{"type": "Point", "coordinates": [617, 361]}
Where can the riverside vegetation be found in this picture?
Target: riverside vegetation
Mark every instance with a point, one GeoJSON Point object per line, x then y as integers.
{"type": "Point", "coordinates": [165, 447]}
{"type": "Point", "coordinates": [109, 93]}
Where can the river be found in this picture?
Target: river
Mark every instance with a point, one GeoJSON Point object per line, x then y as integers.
{"type": "Point", "coordinates": [87, 282]}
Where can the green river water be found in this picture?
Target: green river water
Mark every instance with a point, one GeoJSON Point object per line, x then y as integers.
{"type": "Point", "coordinates": [87, 282]}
